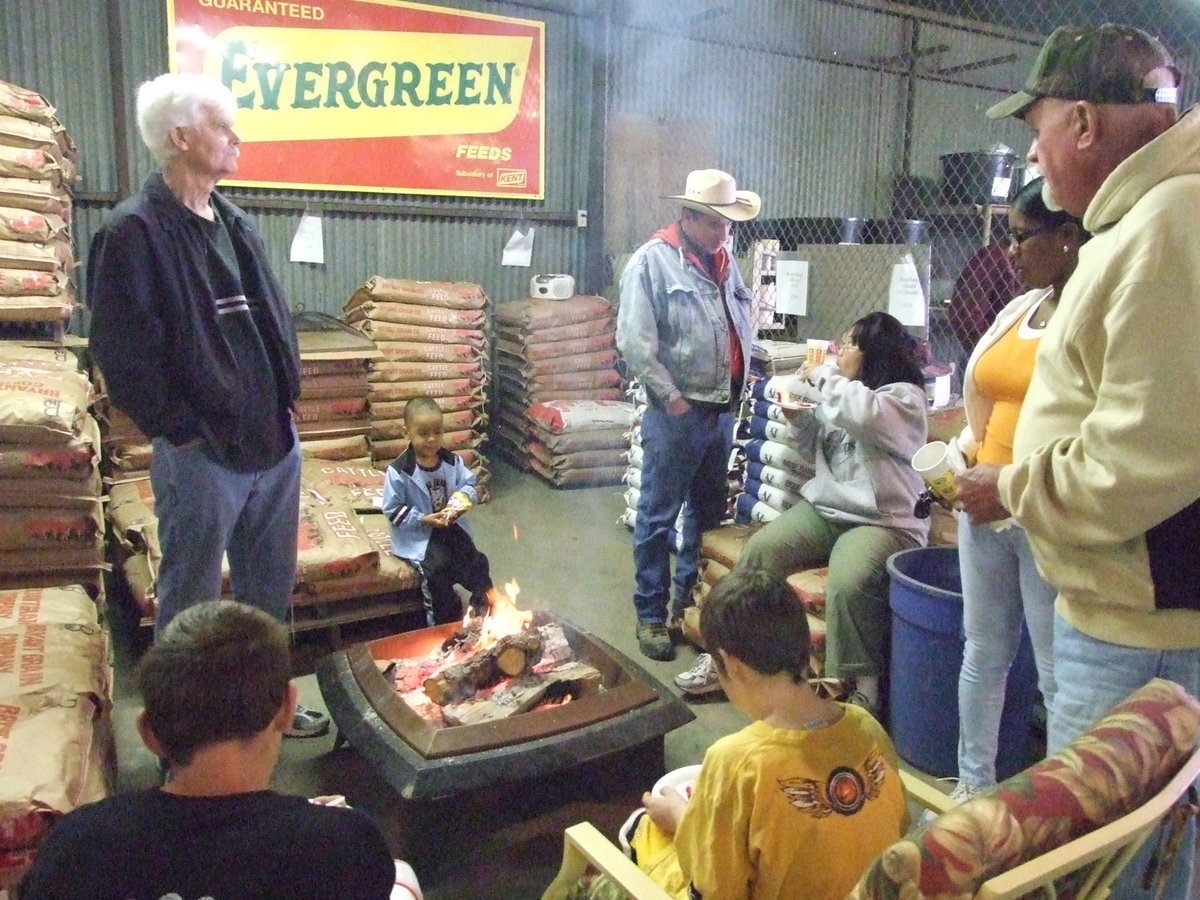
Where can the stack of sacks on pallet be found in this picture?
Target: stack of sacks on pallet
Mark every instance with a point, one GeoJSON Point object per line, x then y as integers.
{"type": "Point", "coordinates": [720, 549]}
{"type": "Point", "coordinates": [51, 517]}
{"type": "Point", "coordinates": [36, 173]}
{"type": "Point", "coordinates": [575, 443]}
{"type": "Point", "coordinates": [127, 451]}
{"type": "Point", "coordinates": [632, 476]}
{"type": "Point", "coordinates": [775, 469]}
{"type": "Point", "coordinates": [331, 413]}
{"type": "Point", "coordinates": [336, 556]}
{"type": "Point", "coordinates": [550, 350]}
{"type": "Point", "coordinates": [433, 342]}
{"type": "Point", "coordinates": [56, 739]}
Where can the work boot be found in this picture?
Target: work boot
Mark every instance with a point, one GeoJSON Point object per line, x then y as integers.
{"type": "Point", "coordinates": [655, 641]}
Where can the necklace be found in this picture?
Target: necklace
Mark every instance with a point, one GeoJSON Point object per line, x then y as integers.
{"type": "Point", "coordinates": [1044, 311]}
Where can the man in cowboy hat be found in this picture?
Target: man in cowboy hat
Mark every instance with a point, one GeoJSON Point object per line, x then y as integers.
{"type": "Point", "coordinates": [1106, 470]}
{"type": "Point", "coordinates": [684, 329]}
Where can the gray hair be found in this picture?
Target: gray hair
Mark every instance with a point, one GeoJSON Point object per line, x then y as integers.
{"type": "Point", "coordinates": [174, 101]}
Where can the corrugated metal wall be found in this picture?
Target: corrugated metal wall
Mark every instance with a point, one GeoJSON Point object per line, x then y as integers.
{"type": "Point", "coordinates": [818, 105]}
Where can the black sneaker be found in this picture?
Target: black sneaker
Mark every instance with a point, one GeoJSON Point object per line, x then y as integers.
{"type": "Point", "coordinates": [655, 641]}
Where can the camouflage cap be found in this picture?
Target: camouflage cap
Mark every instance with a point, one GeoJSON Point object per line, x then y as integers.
{"type": "Point", "coordinates": [1104, 64]}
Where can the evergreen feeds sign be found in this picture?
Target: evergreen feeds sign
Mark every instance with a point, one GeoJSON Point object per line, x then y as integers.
{"type": "Point", "coordinates": [373, 95]}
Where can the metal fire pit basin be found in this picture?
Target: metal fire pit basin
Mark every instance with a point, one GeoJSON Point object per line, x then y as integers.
{"type": "Point", "coordinates": [421, 760]}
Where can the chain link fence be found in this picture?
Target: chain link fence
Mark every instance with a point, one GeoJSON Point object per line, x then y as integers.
{"type": "Point", "coordinates": [949, 220]}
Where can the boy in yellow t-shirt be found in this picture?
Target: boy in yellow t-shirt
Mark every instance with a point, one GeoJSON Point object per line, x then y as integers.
{"type": "Point", "coordinates": [796, 804]}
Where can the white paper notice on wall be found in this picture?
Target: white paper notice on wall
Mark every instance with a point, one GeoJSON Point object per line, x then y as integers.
{"type": "Point", "coordinates": [519, 249]}
{"type": "Point", "coordinates": [906, 298]}
{"type": "Point", "coordinates": [791, 287]}
{"type": "Point", "coordinates": [308, 245]}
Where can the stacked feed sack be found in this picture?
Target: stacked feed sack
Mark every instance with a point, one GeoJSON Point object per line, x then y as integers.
{"type": "Point", "coordinates": [37, 169]}
{"type": "Point", "coordinates": [432, 338]}
{"type": "Point", "coordinates": [51, 516]}
{"type": "Point", "coordinates": [550, 350]}
{"type": "Point", "coordinates": [575, 443]}
{"type": "Point", "coordinates": [56, 738]}
{"type": "Point", "coordinates": [127, 451]}
{"type": "Point", "coordinates": [331, 413]}
{"type": "Point", "coordinates": [775, 469]}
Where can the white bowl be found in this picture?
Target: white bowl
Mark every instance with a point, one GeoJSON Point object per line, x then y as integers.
{"type": "Point", "coordinates": [683, 780]}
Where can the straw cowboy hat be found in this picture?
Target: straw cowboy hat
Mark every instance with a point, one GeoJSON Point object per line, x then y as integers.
{"type": "Point", "coordinates": [714, 191]}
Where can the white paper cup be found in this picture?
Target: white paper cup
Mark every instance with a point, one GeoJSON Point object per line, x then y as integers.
{"type": "Point", "coordinates": [816, 351]}
{"type": "Point", "coordinates": [933, 464]}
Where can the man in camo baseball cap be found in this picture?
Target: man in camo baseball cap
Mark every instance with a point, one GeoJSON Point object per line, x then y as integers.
{"type": "Point", "coordinates": [1105, 64]}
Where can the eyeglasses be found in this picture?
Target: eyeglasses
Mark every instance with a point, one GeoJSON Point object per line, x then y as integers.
{"type": "Point", "coordinates": [1018, 238]}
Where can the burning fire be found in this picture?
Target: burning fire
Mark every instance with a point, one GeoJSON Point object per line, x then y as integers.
{"type": "Point", "coordinates": [503, 617]}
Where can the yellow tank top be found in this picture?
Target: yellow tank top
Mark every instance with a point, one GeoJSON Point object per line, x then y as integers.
{"type": "Point", "coordinates": [1003, 373]}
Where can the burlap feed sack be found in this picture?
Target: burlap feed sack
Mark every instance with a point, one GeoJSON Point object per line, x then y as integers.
{"type": "Point", "coordinates": [52, 256]}
{"type": "Point", "coordinates": [130, 512]}
{"type": "Point", "coordinates": [415, 314]}
{"type": "Point", "coordinates": [446, 294]}
{"type": "Point", "coordinates": [454, 441]}
{"type": "Point", "coordinates": [392, 370]}
{"type": "Point", "coordinates": [46, 742]}
{"type": "Point", "coordinates": [330, 409]}
{"type": "Point", "coordinates": [331, 543]}
{"type": "Point", "coordinates": [325, 429]}
{"type": "Point", "coordinates": [43, 656]}
{"type": "Point", "coordinates": [384, 409]}
{"type": "Point", "coordinates": [725, 543]}
{"type": "Point", "coordinates": [590, 395]}
{"type": "Point", "coordinates": [411, 351]}
{"type": "Point", "coordinates": [573, 415]}
{"type": "Point", "coordinates": [574, 331]}
{"type": "Point", "coordinates": [315, 387]}
{"type": "Point", "coordinates": [555, 349]}
{"type": "Point", "coordinates": [420, 334]}
{"type": "Point", "coordinates": [578, 459]}
{"type": "Point", "coordinates": [37, 308]}
{"type": "Point", "coordinates": [583, 439]}
{"type": "Point", "coordinates": [28, 225]}
{"type": "Point", "coordinates": [584, 362]}
{"type": "Point", "coordinates": [74, 461]}
{"type": "Point", "coordinates": [51, 493]}
{"type": "Point", "coordinates": [391, 429]}
{"type": "Point", "coordinates": [33, 163]}
{"type": "Point", "coordinates": [130, 458]}
{"type": "Point", "coordinates": [32, 283]}
{"type": "Point", "coordinates": [39, 196]}
{"type": "Point", "coordinates": [574, 381]}
{"type": "Point", "coordinates": [68, 604]}
{"type": "Point", "coordinates": [38, 407]}
{"type": "Point", "coordinates": [325, 482]}
{"type": "Point", "coordinates": [350, 366]}
{"type": "Point", "coordinates": [56, 564]}
{"type": "Point", "coordinates": [455, 394]}
{"type": "Point", "coordinates": [593, 477]}
{"type": "Point", "coordinates": [337, 449]}
{"type": "Point", "coordinates": [533, 314]}
{"type": "Point", "coordinates": [43, 528]}
{"type": "Point", "coordinates": [24, 103]}
{"type": "Point", "coordinates": [18, 132]}
{"type": "Point", "coordinates": [39, 359]}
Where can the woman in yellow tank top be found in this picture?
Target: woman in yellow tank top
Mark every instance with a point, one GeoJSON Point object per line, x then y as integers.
{"type": "Point", "coordinates": [1001, 585]}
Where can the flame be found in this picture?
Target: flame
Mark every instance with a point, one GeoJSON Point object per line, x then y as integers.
{"type": "Point", "coordinates": [503, 617]}
{"type": "Point", "coordinates": [516, 535]}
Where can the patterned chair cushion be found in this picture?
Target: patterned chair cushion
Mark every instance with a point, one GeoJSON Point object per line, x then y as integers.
{"type": "Point", "coordinates": [1116, 766]}
{"type": "Point", "coordinates": [809, 587]}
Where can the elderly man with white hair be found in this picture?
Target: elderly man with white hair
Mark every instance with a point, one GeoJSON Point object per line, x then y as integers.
{"type": "Point", "coordinates": [197, 345]}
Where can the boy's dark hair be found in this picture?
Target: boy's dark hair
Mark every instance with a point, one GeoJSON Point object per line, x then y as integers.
{"type": "Point", "coordinates": [420, 405]}
{"type": "Point", "coordinates": [219, 671]}
{"type": "Point", "coordinates": [888, 351]}
{"type": "Point", "coordinates": [753, 614]}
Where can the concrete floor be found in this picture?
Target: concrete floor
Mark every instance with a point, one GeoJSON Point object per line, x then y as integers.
{"type": "Point", "coordinates": [569, 555]}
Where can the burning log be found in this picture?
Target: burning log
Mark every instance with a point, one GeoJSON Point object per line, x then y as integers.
{"type": "Point", "coordinates": [522, 694]}
{"type": "Point", "coordinates": [509, 656]}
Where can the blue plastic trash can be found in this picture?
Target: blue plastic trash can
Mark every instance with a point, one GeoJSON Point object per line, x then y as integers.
{"type": "Point", "coordinates": [927, 652]}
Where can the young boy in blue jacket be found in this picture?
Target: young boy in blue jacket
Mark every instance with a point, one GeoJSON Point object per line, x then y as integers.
{"type": "Point", "coordinates": [425, 494]}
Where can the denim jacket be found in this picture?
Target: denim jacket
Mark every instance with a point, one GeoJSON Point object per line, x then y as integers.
{"type": "Point", "coordinates": [671, 327]}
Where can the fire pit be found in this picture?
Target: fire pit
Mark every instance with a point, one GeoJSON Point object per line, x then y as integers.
{"type": "Point", "coordinates": [424, 761]}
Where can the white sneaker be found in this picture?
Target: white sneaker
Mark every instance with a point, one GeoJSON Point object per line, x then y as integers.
{"type": "Point", "coordinates": [700, 678]}
{"type": "Point", "coordinates": [961, 794]}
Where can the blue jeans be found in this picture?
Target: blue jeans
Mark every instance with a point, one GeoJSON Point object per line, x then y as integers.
{"type": "Point", "coordinates": [205, 511]}
{"type": "Point", "coordinates": [1001, 588]}
{"type": "Point", "coordinates": [684, 458]}
{"type": "Point", "coordinates": [1094, 676]}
